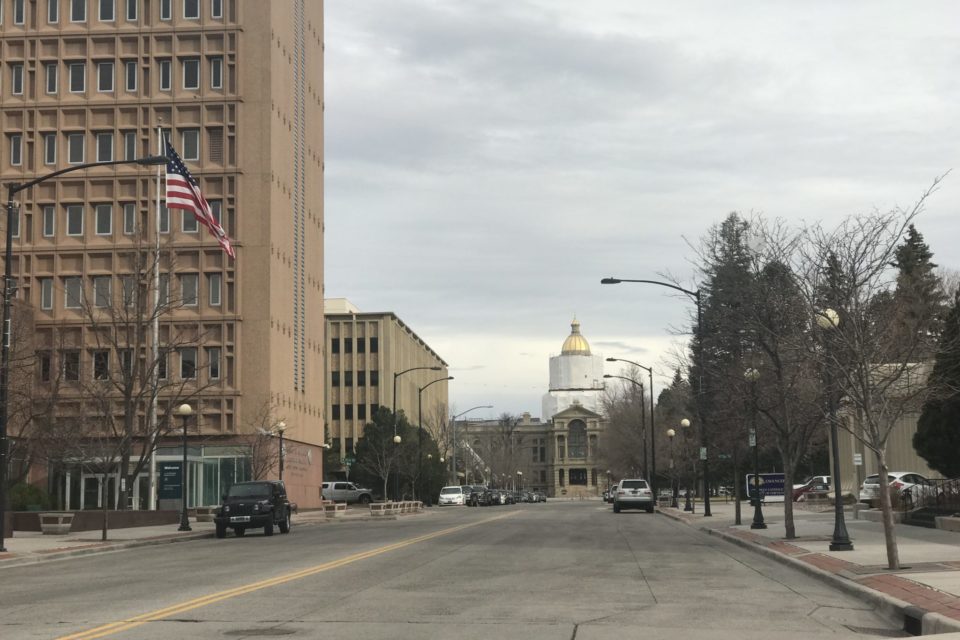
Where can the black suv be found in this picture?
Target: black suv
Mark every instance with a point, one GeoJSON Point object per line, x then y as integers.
{"type": "Point", "coordinates": [262, 503]}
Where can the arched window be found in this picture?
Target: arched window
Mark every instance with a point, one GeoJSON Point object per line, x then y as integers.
{"type": "Point", "coordinates": [577, 439]}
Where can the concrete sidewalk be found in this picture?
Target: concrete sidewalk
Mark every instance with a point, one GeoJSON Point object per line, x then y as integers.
{"type": "Point", "coordinates": [32, 546]}
{"type": "Point", "coordinates": [925, 591]}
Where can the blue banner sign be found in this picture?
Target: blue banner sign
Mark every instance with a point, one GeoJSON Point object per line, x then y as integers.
{"type": "Point", "coordinates": [771, 486]}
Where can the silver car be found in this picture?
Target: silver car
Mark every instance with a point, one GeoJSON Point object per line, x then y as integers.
{"type": "Point", "coordinates": [912, 487]}
{"type": "Point", "coordinates": [633, 493]}
{"type": "Point", "coordinates": [451, 495]}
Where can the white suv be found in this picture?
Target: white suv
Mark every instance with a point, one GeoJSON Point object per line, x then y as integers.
{"type": "Point", "coordinates": [451, 495]}
{"type": "Point", "coordinates": [345, 492]}
{"type": "Point", "coordinates": [633, 493]}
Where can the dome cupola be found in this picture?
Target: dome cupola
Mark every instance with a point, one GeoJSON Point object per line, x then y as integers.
{"type": "Point", "coordinates": [575, 344]}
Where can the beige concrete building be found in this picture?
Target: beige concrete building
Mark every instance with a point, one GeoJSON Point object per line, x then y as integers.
{"type": "Point", "coordinates": [365, 351]}
{"type": "Point", "coordinates": [238, 87]}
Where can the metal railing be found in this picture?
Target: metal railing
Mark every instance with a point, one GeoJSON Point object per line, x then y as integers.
{"type": "Point", "coordinates": [942, 495]}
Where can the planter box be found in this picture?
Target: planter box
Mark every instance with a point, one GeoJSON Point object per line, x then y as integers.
{"type": "Point", "coordinates": [93, 520]}
{"type": "Point", "coordinates": [205, 514]}
{"type": "Point", "coordinates": [56, 523]}
{"type": "Point", "coordinates": [948, 523]}
{"type": "Point", "coordinates": [331, 511]}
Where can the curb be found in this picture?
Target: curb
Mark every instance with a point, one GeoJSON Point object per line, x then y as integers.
{"type": "Point", "coordinates": [916, 621]}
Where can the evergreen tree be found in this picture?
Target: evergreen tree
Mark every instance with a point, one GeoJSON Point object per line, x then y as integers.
{"type": "Point", "coordinates": [918, 300]}
{"type": "Point", "coordinates": [937, 439]}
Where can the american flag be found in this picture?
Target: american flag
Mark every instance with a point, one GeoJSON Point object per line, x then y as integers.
{"type": "Point", "coordinates": [183, 192]}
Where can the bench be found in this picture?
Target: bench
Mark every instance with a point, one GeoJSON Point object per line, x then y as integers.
{"type": "Point", "coordinates": [56, 524]}
{"type": "Point", "coordinates": [333, 510]}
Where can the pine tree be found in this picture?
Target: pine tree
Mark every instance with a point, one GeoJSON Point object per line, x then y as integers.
{"type": "Point", "coordinates": [918, 300]}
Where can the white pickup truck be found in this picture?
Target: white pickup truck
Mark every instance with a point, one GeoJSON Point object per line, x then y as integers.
{"type": "Point", "coordinates": [345, 492]}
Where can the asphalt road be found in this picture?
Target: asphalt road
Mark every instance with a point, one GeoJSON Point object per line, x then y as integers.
{"type": "Point", "coordinates": [558, 571]}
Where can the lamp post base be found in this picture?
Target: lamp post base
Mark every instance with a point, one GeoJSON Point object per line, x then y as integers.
{"type": "Point", "coordinates": [841, 545]}
{"type": "Point", "coordinates": [184, 526]}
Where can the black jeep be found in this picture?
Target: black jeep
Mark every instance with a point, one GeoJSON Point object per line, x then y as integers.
{"type": "Point", "coordinates": [262, 503]}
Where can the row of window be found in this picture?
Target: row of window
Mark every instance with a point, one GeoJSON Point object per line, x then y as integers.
{"type": "Point", "coordinates": [347, 412]}
{"type": "Point", "coordinates": [74, 295]}
{"type": "Point", "coordinates": [190, 75]}
{"type": "Point", "coordinates": [347, 378]}
{"type": "Point", "coordinates": [106, 10]}
{"type": "Point", "coordinates": [74, 215]}
{"type": "Point", "coordinates": [104, 143]}
{"type": "Point", "coordinates": [102, 365]}
{"type": "Point", "coordinates": [348, 345]}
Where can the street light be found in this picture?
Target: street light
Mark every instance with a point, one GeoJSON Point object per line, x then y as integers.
{"type": "Point", "coordinates": [751, 375]}
{"type": "Point", "coordinates": [453, 421]}
{"type": "Point", "coordinates": [695, 295]}
{"type": "Point", "coordinates": [9, 289]}
{"type": "Point", "coordinates": [184, 411]}
{"type": "Point", "coordinates": [674, 488]}
{"type": "Point", "coordinates": [829, 320]}
{"type": "Point", "coordinates": [280, 428]}
{"type": "Point", "coordinates": [420, 429]}
{"type": "Point", "coordinates": [519, 480]}
{"type": "Point", "coordinates": [643, 427]}
{"type": "Point", "coordinates": [653, 440]}
{"type": "Point", "coordinates": [685, 424]}
{"type": "Point", "coordinates": [396, 438]}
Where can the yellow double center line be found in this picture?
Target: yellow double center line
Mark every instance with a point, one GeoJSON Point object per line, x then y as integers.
{"type": "Point", "coordinates": [189, 605]}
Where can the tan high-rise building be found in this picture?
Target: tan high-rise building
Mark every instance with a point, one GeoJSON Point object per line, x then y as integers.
{"type": "Point", "coordinates": [366, 350]}
{"type": "Point", "coordinates": [238, 87]}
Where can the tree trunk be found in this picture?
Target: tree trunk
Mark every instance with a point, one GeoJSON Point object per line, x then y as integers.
{"type": "Point", "coordinates": [889, 532]}
{"type": "Point", "coordinates": [788, 523]}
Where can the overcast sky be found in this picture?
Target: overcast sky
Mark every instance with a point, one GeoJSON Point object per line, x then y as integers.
{"type": "Point", "coordinates": [488, 162]}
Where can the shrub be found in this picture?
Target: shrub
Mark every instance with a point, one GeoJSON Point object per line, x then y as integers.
{"type": "Point", "coordinates": [24, 496]}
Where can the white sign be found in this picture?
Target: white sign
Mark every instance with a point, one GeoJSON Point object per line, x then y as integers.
{"type": "Point", "coordinates": [753, 439]}
{"type": "Point", "coordinates": [703, 453]}
{"type": "Point", "coordinates": [858, 459]}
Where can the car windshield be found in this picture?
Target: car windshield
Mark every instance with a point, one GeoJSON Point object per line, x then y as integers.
{"type": "Point", "coordinates": [257, 490]}
{"type": "Point", "coordinates": [448, 490]}
{"type": "Point", "coordinates": [634, 484]}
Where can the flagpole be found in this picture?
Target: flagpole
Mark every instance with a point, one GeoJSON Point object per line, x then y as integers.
{"type": "Point", "coordinates": [155, 337]}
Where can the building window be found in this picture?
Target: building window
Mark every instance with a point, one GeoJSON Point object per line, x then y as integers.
{"type": "Point", "coordinates": [162, 365]}
{"type": "Point", "coordinates": [15, 224]}
{"type": "Point", "coordinates": [108, 10]}
{"type": "Point", "coordinates": [72, 292]}
{"type": "Point", "coordinates": [190, 144]}
{"type": "Point", "coordinates": [105, 77]}
{"type": "Point", "coordinates": [102, 291]}
{"type": "Point", "coordinates": [164, 75]}
{"type": "Point", "coordinates": [130, 76]}
{"type": "Point", "coordinates": [164, 218]}
{"type": "Point", "coordinates": [348, 378]}
{"type": "Point", "coordinates": [166, 12]}
{"type": "Point", "coordinates": [348, 412]}
{"type": "Point", "coordinates": [577, 440]}
{"type": "Point", "coordinates": [374, 345]}
{"type": "Point", "coordinates": [49, 148]}
{"type": "Point", "coordinates": [361, 412]}
{"type": "Point", "coordinates": [128, 284]}
{"type": "Point", "coordinates": [129, 145]}
{"type": "Point", "coordinates": [213, 358]}
{"type": "Point", "coordinates": [374, 407]}
{"type": "Point", "coordinates": [560, 477]}
{"type": "Point", "coordinates": [129, 218]}
{"type": "Point", "coordinates": [374, 378]}
{"type": "Point", "coordinates": [164, 297]}
{"type": "Point", "coordinates": [78, 10]}
{"type": "Point", "coordinates": [16, 79]}
{"type": "Point", "coordinates": [214, 281]}
{"type": "Point", "coordinates": [19, 15]}
{"type": "Point", "coordinates": [334, 378]}
{"type": "Point", "coordinates": [216, 73]}
{"type": "Point", "coordinates": [75, 148]}
{"type": "Point", "coordinates": [361, 378]}
{"type": "Point", "coordinates": [191, 73]}
{"type": "Point", "coordinates": [104, 219]}
{"type": "Point", "coordinates": [75, 220]}
{"type": "Point", "coordinates": [347, 345]}
{"type": "Point", "coordinates": [335, 412]}
{"type": "Point", "coordinates": [53, 11]}
{"type": "Point", "coordinates": [43, 359]}
{"type": "Point", "coordinates": [101, 365]}
{"type": "Point", "coordinates": [49, 221]}
{"type": "Point", "coordinates": [126, 362]}
{"type": "Point", "coordinates": [188, 363]}
{"type": "Point", "coordinates": [50, 77]}
{"type": "Point", "coordinates": [334, 345]}
{"type": "Point", "coordinates": [361, 345]}
{"type": "Point", "coordinates": [216, 208]}
{"type": "Point", "coordinates": [191, 9]}
{"type": "Point", "coordinates": [188, 222]}
{"type": "Point", "coordinates": [46, 294]}
{"type": "Point", "coordinates": [188, 289]}
{"type": "Point", "coordinates": [71, 365]}
{"type": "Point", "coordinates": [216, 8]}
{"type": "Point", "coordinates": [16, 150]}
{"type": "Point", "coordinates": [133, 10]}
{"type": "Point", "coordinates": [104, 147]}
{"type": "Point", "coordinates": [78, 77]}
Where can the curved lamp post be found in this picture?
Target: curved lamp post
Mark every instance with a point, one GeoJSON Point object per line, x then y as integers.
{"type": "Point", "coordinates": [685, 425]}
{"type": "Point", "coordinates": [829, 320]}
{"type": "Point", "coordinates": [695, 295]}
{"type": "Point", "coordinates": [396, 438]}
{"type": "Point", "coordinates": [184, 411]}
{"type": "Point", "coordinates": [420, 427]}
{"type": "Point", "coordinates": [751, 375]}
{"type": "Point", "coordinates": [653, 440]}
{"type": "Point", "coordinates": [674, 487]}
{"type": "Point", "coordinates": [9, 290]}
{"type": "Point", "coordinates": [453, 422]}
{"type": "Point", "coordinates": [280, 428]}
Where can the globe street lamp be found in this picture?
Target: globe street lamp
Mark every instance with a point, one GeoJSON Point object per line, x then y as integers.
{"type": "Point", "coordinates": [674, 488]}
{"type": "Point", "coordinates": [420, 428]}
{"type": "Point", "coordinates": [653, 440]}
{"type": "Point", "coordinates": [453, 422]}
{"type": "Point", "coordinates": [829, 321]}
{"type": "Point", "coordinates": [751, 375]}
{"type": "Point", "coordinates": [685, 425]}
{"type": "Point", "coordinates": [280, 428]}
{"type": "Point", "coordinates": [695, 295]}
{"type": "Point", "coordinates": [519, 480]}
{"type": "Point", "coordinates": [184, 411]}
{"type": "Point", "coordinates": [396, 438]}
{"type": "Point", "coordinates": [9, 290]}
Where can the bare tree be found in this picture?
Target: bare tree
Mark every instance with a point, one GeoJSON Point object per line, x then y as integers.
{"type": "Point", "coordinates": [260, 445]}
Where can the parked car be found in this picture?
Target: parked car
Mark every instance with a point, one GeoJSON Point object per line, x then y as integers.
{"type": "Point", "coordinates": [345, 492]}
{"type": "Point", "coordinates": [451, 496]}
{"type": "Point", "coordinates": [813, 483]}
{"type": "Point", "coordinates": [257, 504]}
{"type": "Point", "coordinates": [633, 493]}
{"type": "Point", "coordinates": [912, 486]}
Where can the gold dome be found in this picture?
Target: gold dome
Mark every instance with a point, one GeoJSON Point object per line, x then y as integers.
{"type": "Point", "coordinates": [575, 344]}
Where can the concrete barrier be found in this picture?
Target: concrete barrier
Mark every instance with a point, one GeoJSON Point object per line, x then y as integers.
{"type": "Point", "coordinates": [379, 509]}
{"type": "Point", "coordinates": [334, 510]}
{"type": "Point", "coordinates": [56, 523]}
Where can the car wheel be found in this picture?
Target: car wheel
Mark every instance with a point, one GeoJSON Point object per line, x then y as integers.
{"type": "Point", "coordinates": [239, 531]}
{"type": "Point", "coordinates": [616, 508]}
{"type": "Point", "coordinates": [365, 499]}
{"type": "Point", "coordinates": [268, 529]}
{"type": "Point", "coordinates": [221, 531]}
{"type": "Point", "coordinates": [285, 524]}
